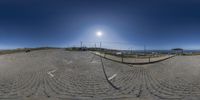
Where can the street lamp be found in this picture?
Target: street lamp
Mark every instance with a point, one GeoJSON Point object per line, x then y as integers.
{"type": "Point", "coordinates": [99, 34]}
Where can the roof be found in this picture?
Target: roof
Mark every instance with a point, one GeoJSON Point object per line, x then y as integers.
{"type": "Point", "coordinates": [177, 49]}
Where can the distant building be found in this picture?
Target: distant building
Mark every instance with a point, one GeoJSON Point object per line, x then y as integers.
{"type": "Point", "coordinates": [118, 53]}
{"type": "Point", "coordinates": [177, 51]}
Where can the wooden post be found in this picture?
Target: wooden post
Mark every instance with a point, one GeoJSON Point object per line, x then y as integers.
{"type": "Point", "coordinates": [122, 57]}
{"type": "Point", "coordinates": [149, 59]}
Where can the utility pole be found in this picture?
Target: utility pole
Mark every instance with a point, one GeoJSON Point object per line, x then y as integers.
{"type": "Point", "coordinates": [100, 44]}
{"type": "Point", "coordinates": [81, 45]}
{"type": "Point", "coordinates": [95, 47]}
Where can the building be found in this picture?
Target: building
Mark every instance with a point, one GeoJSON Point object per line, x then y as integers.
{"type": "Point", "coordinates": [177, 51]}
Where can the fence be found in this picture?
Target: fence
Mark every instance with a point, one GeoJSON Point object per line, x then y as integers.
{"type": "Point", "coordinates": [130, 60]}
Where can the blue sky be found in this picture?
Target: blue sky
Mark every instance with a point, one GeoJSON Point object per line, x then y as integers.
{"type": "Point", "coordinates": [158, 24]}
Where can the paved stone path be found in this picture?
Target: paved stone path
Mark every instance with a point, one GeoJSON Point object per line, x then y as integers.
{"type": "Point", "coordinates": [79, 75]}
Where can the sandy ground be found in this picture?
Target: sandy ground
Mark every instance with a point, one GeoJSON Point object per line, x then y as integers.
{"type": "Point", "coordinates": [66, 75]}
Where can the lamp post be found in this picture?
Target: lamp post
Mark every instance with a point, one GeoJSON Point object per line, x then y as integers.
{"type": "Point", "coordinates": [99, 34]}
{"type": "Point", "coordinates": [100, 46]}
{"type": "Point", "coordinates": [81, 45]}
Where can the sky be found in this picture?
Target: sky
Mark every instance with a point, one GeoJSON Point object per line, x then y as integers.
{"type": "Point", "coordinates": [125, 24]}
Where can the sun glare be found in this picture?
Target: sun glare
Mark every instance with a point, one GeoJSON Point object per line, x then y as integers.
{"type": "Point", "coordinates": [99, 33]}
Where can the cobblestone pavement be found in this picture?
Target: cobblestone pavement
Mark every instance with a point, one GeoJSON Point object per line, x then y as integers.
{"type": "Point", "coordinates": [66, 75]}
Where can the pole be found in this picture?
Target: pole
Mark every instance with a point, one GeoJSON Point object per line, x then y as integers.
{"type": "Point", "coordinates": [100, 46]}
{"type": "Point", "coordinates": [122, 57]}
{"type": "Point", "coordinates": [95, 46]}
{"type": "Point", "coordinates": [149, 59]}
{"type": "Point", "coordinates": [81, 45]}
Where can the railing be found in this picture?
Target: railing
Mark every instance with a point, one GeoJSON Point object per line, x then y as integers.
{"type": "Point", "coordinates": [131, 60]}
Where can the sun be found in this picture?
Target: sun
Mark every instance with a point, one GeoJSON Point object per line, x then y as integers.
{"type": "Point", "coordinates": [99, 33]}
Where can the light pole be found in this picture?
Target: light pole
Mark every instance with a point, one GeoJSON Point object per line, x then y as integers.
{"type": "Point", "coordinates": [81, 45]}
{"type": "Point", "coordinates": [100, 44]}
{"type": "Point", "coordinates": [95, 46]}
{"type": "Point", "coordinates": [99, 34]}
